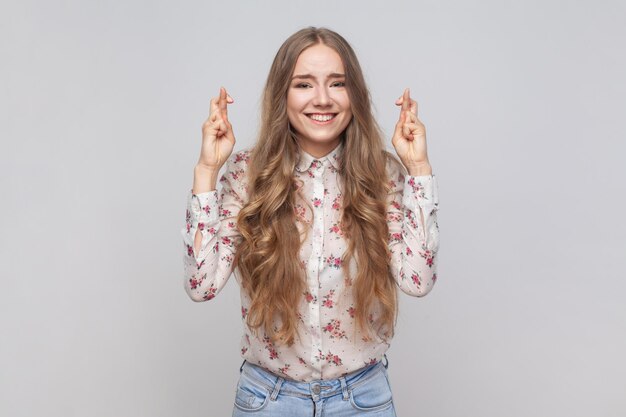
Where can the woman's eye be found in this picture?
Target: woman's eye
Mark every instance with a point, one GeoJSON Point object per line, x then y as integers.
{"type": "Point", "coordinates": [302, 85]}
{"type": "Point", "coordinates": [339, 84]}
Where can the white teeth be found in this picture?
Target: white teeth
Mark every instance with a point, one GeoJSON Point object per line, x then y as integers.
{"type": "Point", "coordinates": [321, 118]}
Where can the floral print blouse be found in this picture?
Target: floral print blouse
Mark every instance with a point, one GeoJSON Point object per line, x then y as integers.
{"type": "Point", "coordinates": [329, 343]}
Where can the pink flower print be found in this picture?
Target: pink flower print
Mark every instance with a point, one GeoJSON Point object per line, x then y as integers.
{"type": "Point", "coordinates": [302, 361]}
{"type": "Point", "coordinates": [224, 212]}
{"type": "Point", "coordinates": [201, 226]}
{"type": "Point", "coordinates": [226, 241]}
{"type": "Point", "coordinates": [409, 252]}
{"type": "Point", "coordinates": [416, 186]}
{"type": "Point", "coordinates": [333, 359]}
{"type": "Point", "coordinates": [371, 362]}
{"type": "Point", "coordinates": [396, 205]}
{"type": "Point", "coordinates": [228, 259]}
{"type": "Point", "coordinates": [334, 328]}
{"type": "Point", "coordinates": [333, 262]}
{"type": "Point", "coordinates": [195, 282]}
{"type": "Point", "coordinates": [188, 226]}
{"type": "Point", "coordinates": [411, 216]}
{"type": "Point", "coordinates": [187, 216]}
{"type": "Point", "coordinates": [284, 369]}
{"type": "Point", "coordinates": [310, 298]}
{"type": "Point", "coordinates": [416, 279]}
{"type": "Point", "coordinates": [216, 247]}
{"type": "Point", "coordinates": [329, 357]}
{"type": "Point", "coordinates": [244, 350]}
{"type": "Point", "coordinates": [316, 202]}
{"type": "Point", "coordinates": [231, 225]}
{"type": "Point", "coordinates": [241, 156]}
{"type": "Point", "coordinates": [335, 228]}
{"type": "Point", "coordinates": [189, 250]}
{"type": "Point", "coordinates": [394, 217]}
{"type": "Point", "coordinates": [301, 213]}
{"type": "Point", "coordinates": [207, 209]}
{"type": "Point", "coordinates": [395, 237]}
{"type": "Point", "coordinates": [326, 192]}
{"type": "Point", "coordinates": [351, 311]}
{"type": "Point", "coordinates": [337, 203]}
{"type": "Point", "coordinates": [434, 278]}
{"type": "Point", "coordinates": [273, 353]}
{"type": "Point", "coordinates": [328, 302]}
{"type": "Point", "coordinates": [236, 174]}
{"type": "Point", "coordinates": [199, 265]}
{"type": "Point", "coordinates": [428, 255]}
{"type": "Point", "coordinates": [210, 293]}
{"type": "Point", "coordinates": [244, 312]}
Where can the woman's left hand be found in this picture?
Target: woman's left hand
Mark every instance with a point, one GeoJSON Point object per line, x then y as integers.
{"type": "Point", "coordinates": [409, 137]}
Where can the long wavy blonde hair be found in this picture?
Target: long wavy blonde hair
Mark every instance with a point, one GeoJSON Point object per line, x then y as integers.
{"type": "Point", "coordinates": [268, 255]}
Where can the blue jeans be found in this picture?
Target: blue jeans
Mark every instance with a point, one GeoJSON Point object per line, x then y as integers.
{"type": "Point", "coordinates": [364, 392]}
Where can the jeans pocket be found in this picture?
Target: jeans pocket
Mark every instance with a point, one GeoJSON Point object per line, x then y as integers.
{"type": "Point", "coordinates": [250, 396]}
{"type": "Point", "coordinates": [373, 394]}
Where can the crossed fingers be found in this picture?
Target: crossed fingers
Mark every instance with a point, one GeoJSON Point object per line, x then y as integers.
{"type": "Point", "coordinates": [219, 105]}
{"type": "Point", "coordinates": [408, 114]}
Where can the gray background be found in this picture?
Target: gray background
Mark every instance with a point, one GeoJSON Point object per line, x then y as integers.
{"type": "Point", "coordinates": [101, 109]}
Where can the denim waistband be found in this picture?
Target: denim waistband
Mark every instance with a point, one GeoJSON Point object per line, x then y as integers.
{"type": "Point", "coordinates": [316, 389]}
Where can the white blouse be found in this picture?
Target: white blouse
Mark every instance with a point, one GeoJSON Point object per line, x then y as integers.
{"type": "Point", "coordinates": [329, 343]}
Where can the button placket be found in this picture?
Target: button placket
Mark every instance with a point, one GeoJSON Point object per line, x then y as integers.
{"type": "Point", "coordinates": [315, 264]}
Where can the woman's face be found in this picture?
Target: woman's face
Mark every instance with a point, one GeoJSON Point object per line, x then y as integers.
{"type": "Point", "coordinates": [317, 102]}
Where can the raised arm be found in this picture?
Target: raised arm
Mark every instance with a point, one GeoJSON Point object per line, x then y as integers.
{"type": "Point", "coordinates": [210, 234]}
{"type": "Point", "coordinates": [413, 231]}
{"type": "Point", "coordinates": [412, 205]}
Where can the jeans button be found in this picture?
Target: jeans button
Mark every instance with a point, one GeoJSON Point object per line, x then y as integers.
{"type": "Point", "coordinates": [316, 389]}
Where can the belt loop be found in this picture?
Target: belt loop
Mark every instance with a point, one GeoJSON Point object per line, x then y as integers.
{"type": "Point", "coordinates": [386, 362]}
{"type": "Point", "coordinates": [344, 388]}
{"type": "Point", "coordinates": [279, 383]}
{"type": "Point", "coordinates": [242, 364]}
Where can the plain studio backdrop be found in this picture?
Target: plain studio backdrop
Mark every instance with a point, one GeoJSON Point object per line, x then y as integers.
{"type": "Point", "coordinates": [101, 109]}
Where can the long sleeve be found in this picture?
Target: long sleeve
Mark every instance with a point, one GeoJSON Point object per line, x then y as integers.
{"type": "Point", "coordinates": [215, 215]}
{"type": "Point", "coordinates": [413, 244]}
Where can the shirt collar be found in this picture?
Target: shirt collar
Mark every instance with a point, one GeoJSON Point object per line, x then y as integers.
{"type": "Point", "coordinates": [306, 159]}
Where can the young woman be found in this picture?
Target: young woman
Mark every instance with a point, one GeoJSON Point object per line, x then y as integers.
{"type": "Point", "coordinates": [320, 225]}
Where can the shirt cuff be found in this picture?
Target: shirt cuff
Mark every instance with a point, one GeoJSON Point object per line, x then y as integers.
{"type": "Point", "coordinates": [421, 191]}
{"type": "Point", "coordinates": [203, 207]}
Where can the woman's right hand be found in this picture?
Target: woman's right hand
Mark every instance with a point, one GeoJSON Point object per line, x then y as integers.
{"type": "Point", "coordinates": [218, 139]}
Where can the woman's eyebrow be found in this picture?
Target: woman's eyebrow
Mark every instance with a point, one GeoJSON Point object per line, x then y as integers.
{"type": "Point", "coordinates": [309, 76]}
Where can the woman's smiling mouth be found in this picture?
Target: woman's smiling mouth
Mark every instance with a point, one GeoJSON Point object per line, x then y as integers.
{"type": "Point", "coordinates": [321, 118]}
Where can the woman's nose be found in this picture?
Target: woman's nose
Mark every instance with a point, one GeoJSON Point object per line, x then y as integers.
{"type": "Point", "coordinates": [322, 98]}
